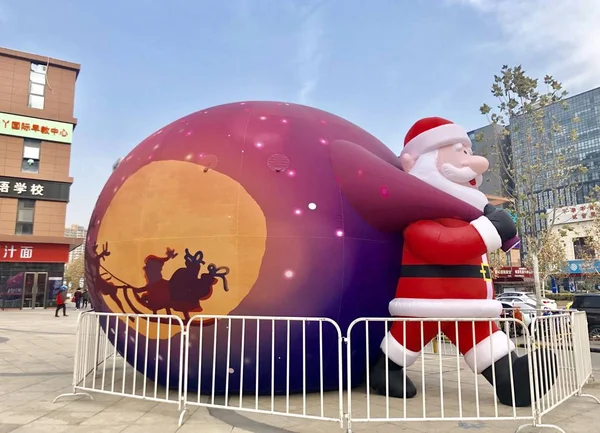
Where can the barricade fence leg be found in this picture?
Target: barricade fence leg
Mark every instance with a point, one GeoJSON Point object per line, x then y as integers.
{"type": "Point", "coordinates": [80, 334]}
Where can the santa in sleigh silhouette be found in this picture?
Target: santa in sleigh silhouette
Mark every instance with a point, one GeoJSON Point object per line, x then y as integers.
{"type": "Point", "coordinates": [182, 293]}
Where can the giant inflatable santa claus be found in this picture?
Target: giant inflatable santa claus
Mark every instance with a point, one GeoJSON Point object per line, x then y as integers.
{"type": "Point", "coordinates": [445, 272]}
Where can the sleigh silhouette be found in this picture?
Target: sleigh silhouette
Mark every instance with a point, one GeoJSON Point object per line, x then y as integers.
{"type": "Point", "coordinates": [182, 293]}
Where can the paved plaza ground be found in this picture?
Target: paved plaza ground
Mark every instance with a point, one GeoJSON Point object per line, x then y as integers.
{"type": "Point", "coordinates": [36, 364]}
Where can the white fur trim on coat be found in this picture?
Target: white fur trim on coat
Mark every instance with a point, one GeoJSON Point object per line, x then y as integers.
{"type": "Point", "coordinates": [488, 351]}
{"type": "Point", "coordinates": [445, 308]}
{"type": "Point", "coordinates": [436, 138]}
{"type": "Point", "coordinates": [488, 233]}
{"type": "Point", "coordinates": [398, 353]}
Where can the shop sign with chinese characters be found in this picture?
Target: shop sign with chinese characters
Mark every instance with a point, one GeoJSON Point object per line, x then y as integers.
{"type": "Point", "coordinates": [39, 129]}
{"type": "Point", "coordinates": [34, 189]}
{"type": "Point", "coordinates": [32, 252]}
{"type": "Point", "coordinates": [513, 272]}
{"type": "Point", "coordinates": [574, 214]}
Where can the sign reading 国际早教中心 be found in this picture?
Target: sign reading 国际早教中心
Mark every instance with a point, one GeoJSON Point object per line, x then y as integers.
{"type": "Point", "coordinates": [39, 129]}
{"type": "Point", "coordinates": [34, 189]}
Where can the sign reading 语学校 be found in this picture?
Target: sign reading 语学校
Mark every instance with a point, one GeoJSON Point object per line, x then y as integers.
{"type": "Point", "coordinates": [39, 129]}
{"type": "Point", "coordinates": [34, 189]}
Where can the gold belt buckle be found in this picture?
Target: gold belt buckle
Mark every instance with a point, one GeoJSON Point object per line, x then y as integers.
{"type": "Point", "coordinates": [486, 272]}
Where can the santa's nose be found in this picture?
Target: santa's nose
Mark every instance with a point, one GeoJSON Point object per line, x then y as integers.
{"type": "Point", "coordinates": [478, 164]}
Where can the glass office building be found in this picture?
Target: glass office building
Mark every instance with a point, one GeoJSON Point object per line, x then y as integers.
{"type": "Point", "coordinates": [577, 135]}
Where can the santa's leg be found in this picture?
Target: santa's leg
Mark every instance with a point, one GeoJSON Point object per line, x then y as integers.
{"type": "Point", "coordinates": [489, 351]}
{"type": "Point", "coordinates": [400, 349]}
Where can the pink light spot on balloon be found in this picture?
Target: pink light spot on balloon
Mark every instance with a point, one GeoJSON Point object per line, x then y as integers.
{"type": "Point", "coordinates": [287, 104]}
{"type": "Point", "coordinates": [339, 233]}
{"type": "Point", "coordinates": [181, 130]}
{"type": "Point", "coordinates": [156, 146]}
{"type": "Point", "coordinates": [228, 135]}
{"type": "Point", "coordinates": [289, 274]}
{"type": "Point", "coordinates": [149, 157]}
{"type": "Point", "coordinates": [128, 157]}
{"type": "Point", "coordinates": [189, 157]}
{"type": "Point", "coordinates": [123, 179]}
{"type": "Point", "coordinates": [297, 211]}
{"type": "Point", "coordinates": [384, 191]}
{"type": "Point", "coordinates": [323, 122]}
{"type": "Point", "coordinates": [259, 145]}
{"type": "Point", "coordinates": [291, 173]}
{"type": "Point", "coordinates": [360, 172]}
{"type": "Point", "coordinates": [323, 141]}
{"type": "Point", "coordinates": [312, 206]}
{"type": "Point", "coordinates": [206, 112]}
{"type": "Point", "coordinates": [263, 117]}
{"type": "Point", "coordinates": [284, 121]}
{"type": "Point", "coordinates": [242, 103]}
{"type": "Point", "coordinates": [188, 133]}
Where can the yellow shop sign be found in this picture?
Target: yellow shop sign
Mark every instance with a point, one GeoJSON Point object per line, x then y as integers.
{"type": "Point", "coordinates": [40, 129]}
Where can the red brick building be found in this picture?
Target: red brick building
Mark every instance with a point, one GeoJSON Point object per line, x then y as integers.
{"type": "Point", "coordinates": [37, 95]}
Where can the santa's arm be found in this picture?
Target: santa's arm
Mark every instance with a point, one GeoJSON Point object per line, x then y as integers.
{"type": "Point", "coordinates": [440, 244]}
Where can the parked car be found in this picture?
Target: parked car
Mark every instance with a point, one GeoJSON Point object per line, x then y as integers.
{"type": "Point", "coordinates": [548, 304]}
{"type": "Point", "coordinates": [590, 303]}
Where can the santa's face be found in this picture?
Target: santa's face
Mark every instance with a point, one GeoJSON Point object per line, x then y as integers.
{"type": "Point", "coordinates": [452, 169]}
{"type": "Point", "coordinates": [458, 164]}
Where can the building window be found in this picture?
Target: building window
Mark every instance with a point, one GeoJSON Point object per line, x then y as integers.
{"type": "Point", "coordinates": [31, 156]}
{"type": "Point", "coordinates": [37, 85]}
{"type": "Point", "coordinates": [582, 247]}
{"type": "Point", "coordinates": [25, 212]}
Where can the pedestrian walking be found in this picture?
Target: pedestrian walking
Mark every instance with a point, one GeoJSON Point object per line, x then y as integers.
{"type": "Point", "coordinates": [85, 298]}
{"type": "Point", "coordinates": [78, 296]}
{"type": "Point", "coordinates": [61, 301]}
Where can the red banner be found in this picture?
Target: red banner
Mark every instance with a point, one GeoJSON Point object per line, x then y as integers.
{"type": "Point", "coordinates": [33, 253]}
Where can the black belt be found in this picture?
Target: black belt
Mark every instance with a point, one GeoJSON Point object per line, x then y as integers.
{"type": "Point", "coordinates": [447, 271]}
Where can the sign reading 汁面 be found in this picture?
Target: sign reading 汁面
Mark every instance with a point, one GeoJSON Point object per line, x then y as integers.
{"type": "Point", "coordinates": [32, 252]}
{"type": "Point", "coordinates": [39, 129]}
{"type": "Point", "coordinates": [34, 189]}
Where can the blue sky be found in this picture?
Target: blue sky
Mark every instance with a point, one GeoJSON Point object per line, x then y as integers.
{"type": "Point", "coordinates": [381, 64]}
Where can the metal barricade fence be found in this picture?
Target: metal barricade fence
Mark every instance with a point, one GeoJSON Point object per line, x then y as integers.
{"type": "Point", "coordinates": [128, 355]}
{"type": "Point", "coordinates": [252, 351]}
{"type": "Point", "coordinates": [581, 342]}
{"type": "Point", "coordinates": [447, 390]}
{"type": "Point", "coordinates": [231, 362]}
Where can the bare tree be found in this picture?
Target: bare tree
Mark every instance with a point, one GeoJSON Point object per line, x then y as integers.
{"type": "Point", "coordinates": [537, 165]}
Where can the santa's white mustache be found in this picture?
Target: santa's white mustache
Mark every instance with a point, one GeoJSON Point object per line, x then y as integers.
{"type": "Point", "coordinates": [460, 175]}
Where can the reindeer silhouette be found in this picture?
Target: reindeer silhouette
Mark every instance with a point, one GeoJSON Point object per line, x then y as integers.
{"type": "Point", "coordinates": [104, 286]}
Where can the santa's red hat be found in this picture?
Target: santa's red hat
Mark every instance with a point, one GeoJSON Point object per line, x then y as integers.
{"type": "Point", "coordinates": [431, 133]}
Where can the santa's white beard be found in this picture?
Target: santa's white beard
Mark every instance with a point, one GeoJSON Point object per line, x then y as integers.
{"type": "Point", "coordinates": [425, 168]}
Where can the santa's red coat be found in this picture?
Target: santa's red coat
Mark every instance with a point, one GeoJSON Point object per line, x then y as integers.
{"type": "Point", "coordinates": [445, 272]}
